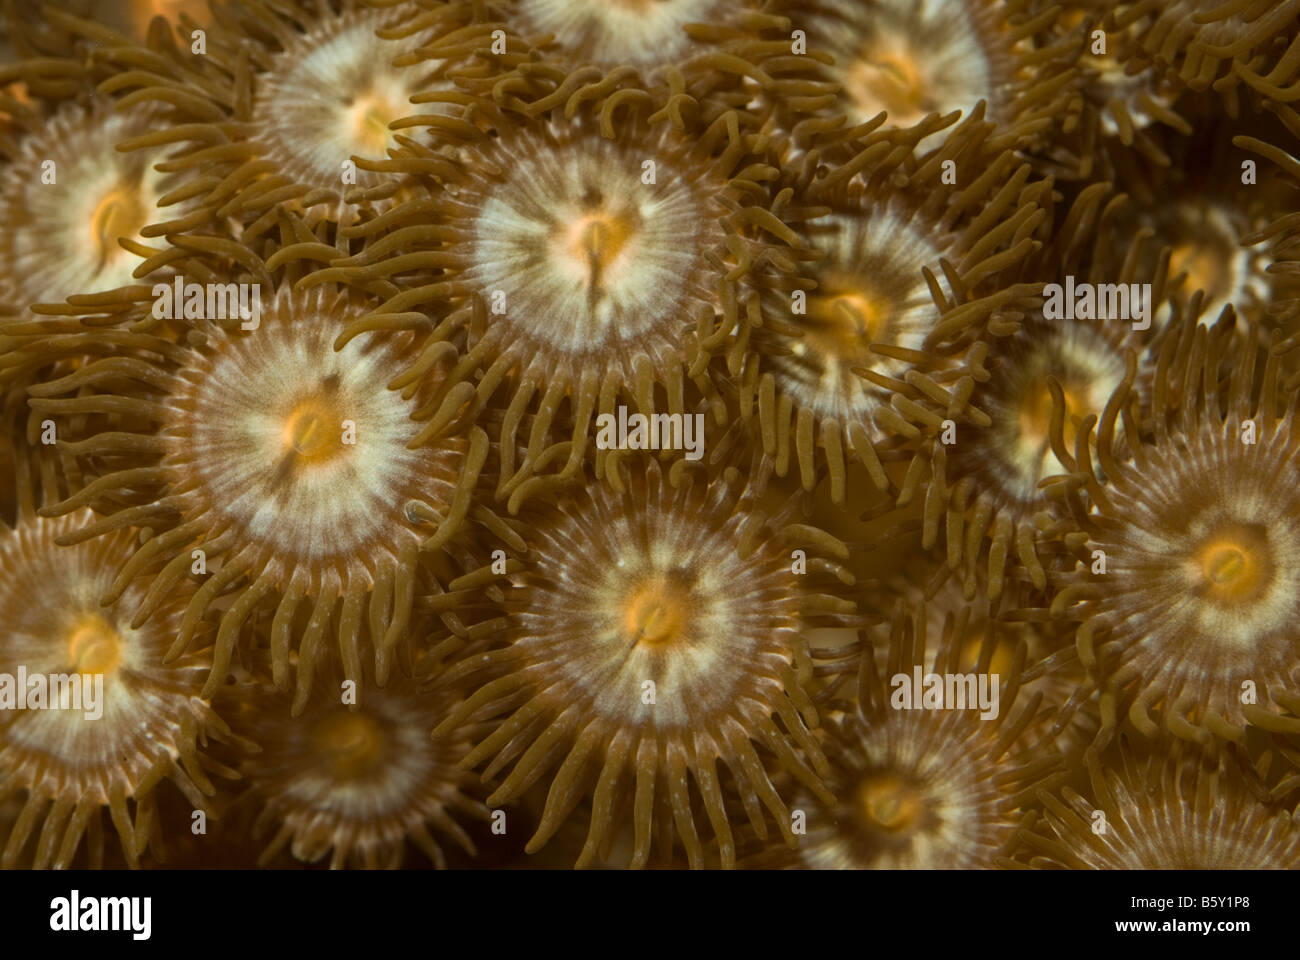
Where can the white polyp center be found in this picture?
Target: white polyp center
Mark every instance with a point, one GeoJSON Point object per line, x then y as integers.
{"type": "Point", "coordinates": [585, 251]}
{"type": "Point", "coordinates": [622, 32]}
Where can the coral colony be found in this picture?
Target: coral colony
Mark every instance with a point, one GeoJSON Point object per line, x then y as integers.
{"type": "Point", "coordinates": [701, 433]}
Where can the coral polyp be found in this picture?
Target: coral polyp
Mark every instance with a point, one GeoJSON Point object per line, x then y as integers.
{"type": "Point", "coordinates": [544, 411]}
{"type": "Point", "coordinates": [654, 655]}
{"type": "Point", "coordinates": [310, 140]}
{"type": "Point", "coordinates": [583, 260]}
{"type": "Point", "coordinates": [1205, 233]}
{"type": "Point", "coordinates": [987, 483]}
{"type": "Point", "coordinates": [350, 786]}
{"type": "Point", "coordinates": [69, 198]}
{"type": "Point", "coordinates": [942, 787]}
{"type": "Point", "coordinates": [290, 111]}
{"type": "Point", "coordinates": [1121, 96]}
{"type": "Point", "coordinates": [285, 467]}
{"type": "Point", "coordinates": [913, 60]}
{"type": "Point", "coordinates": [1189, 619]}
{"type": "Point", "coordinates": [617, 32]}
{"type": "Point", "coordinates": [1178, 811]}
{"type": "Point", "coordinates": [113, 721]}
{"type": "Point", "coordinates": [878, 346]}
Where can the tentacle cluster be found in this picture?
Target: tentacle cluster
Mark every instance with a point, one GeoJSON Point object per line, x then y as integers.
{"type": "Point", "coordinates": [1185, 602]}
{"type": "Point", "coordinates": [70, 760]}
{"type": "Point", "coordinates": [1178, 811]}
{"type": "Point", "coordinates": [931, 787]}
{"type": "Point", "coordinates": [580, 262]}
{"type": "Point", "coordinates": [656, 658]}
{"type": "Point", "coordinates": [1207, 43]}
{"type": "Point", "coordinates": [274, 469]}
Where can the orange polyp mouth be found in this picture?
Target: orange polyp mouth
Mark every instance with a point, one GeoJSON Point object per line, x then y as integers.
{"type": "Point", "coordinates": [594, 243]}
{"type": "Point", "coordinates": [888, 803]}
{"type": "Point", "coordinates": [352, 743]}
{"type": "Point", "coordinates": [602, 238]}
{"type": "Point", "coordinates": [312, 431]}
{"type": "Point", "coordinates": [94, 646]}
{"type": "Point", "coordinates": [1205, 266]}
{"type": "Point", "coordinates": [1228, 569]}
{"type": "Point", "coordinates": [656, 613]}
{"type": "Point", "coordinates": [119, 214]}
{"type": "Point", "coordinates": [1002, 662]}
{"type": "Point", "coordinates": [856, 317]}
{"type": "Point", "coordinates": [844, 325]}
{"type": "Point", "coordinates": [1233, 566]}
{"type": "Point", "coordinates": [1036, 413]}
{"type": "Point", "coordinates": [370, 116]}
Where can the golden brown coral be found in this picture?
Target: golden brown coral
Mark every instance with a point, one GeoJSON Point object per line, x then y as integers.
{"type": "Point", "coordinates": [1185, 602]}
{"type": "Point", "coordinates": [1120, 96]}
{"type": "Point", "coordinates": [883, 335]}
{"type": "Point", "coordinates": [655, 654]}
{"type": "Point", "coordinates": [276, 110]}
{"type": "Point", "coordinates": [515, 269]}
{"type": "Point", "coordinates": [75, 207]}
{"type": "Point", "coordinates": [919, 784]}
{"type": "Point", "coordinates": [284, 465]}
{"type": "Point", "coordinates": [581, 260]}
{"type": "Point", "coordinates": [1174, 809]}
{"type": "Point", "coordinates": [354, 785]}
{"type": "Point", "coordinates": [114, 721]}
{"type": "Point", "coordinates": [918, 61]}
{"type": "Point", "coordinates": [987, 481]}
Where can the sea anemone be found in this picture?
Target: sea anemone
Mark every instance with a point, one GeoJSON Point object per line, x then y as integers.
{"type": "Point", "coordinates": [274, 467]}
{"type": "Point", "coordinates": [150, 721]}
{"type": "Point", "coordinates": [879, 346]}
{"type": "Point", "coordinates": [915, 60]}
{"type": "Point", "coordinates": [75, 207]}
{"type": "Point", "coordinates": [914, 787]}
{"type": "Point", "coordinates": [1174, 809]}
{"type": "Point", "coordinates": [655, 635]}
{"type": "Point", "coordinates": [1184, 590]}
{"type": "Point", "coordinates": [988, 483]}
{"type": "Point", "coordinates": [354, 785]}
{"type": "Point", "coordinates": [581, 259]}
{"type": "Point", "coordinates": [282, 110]}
